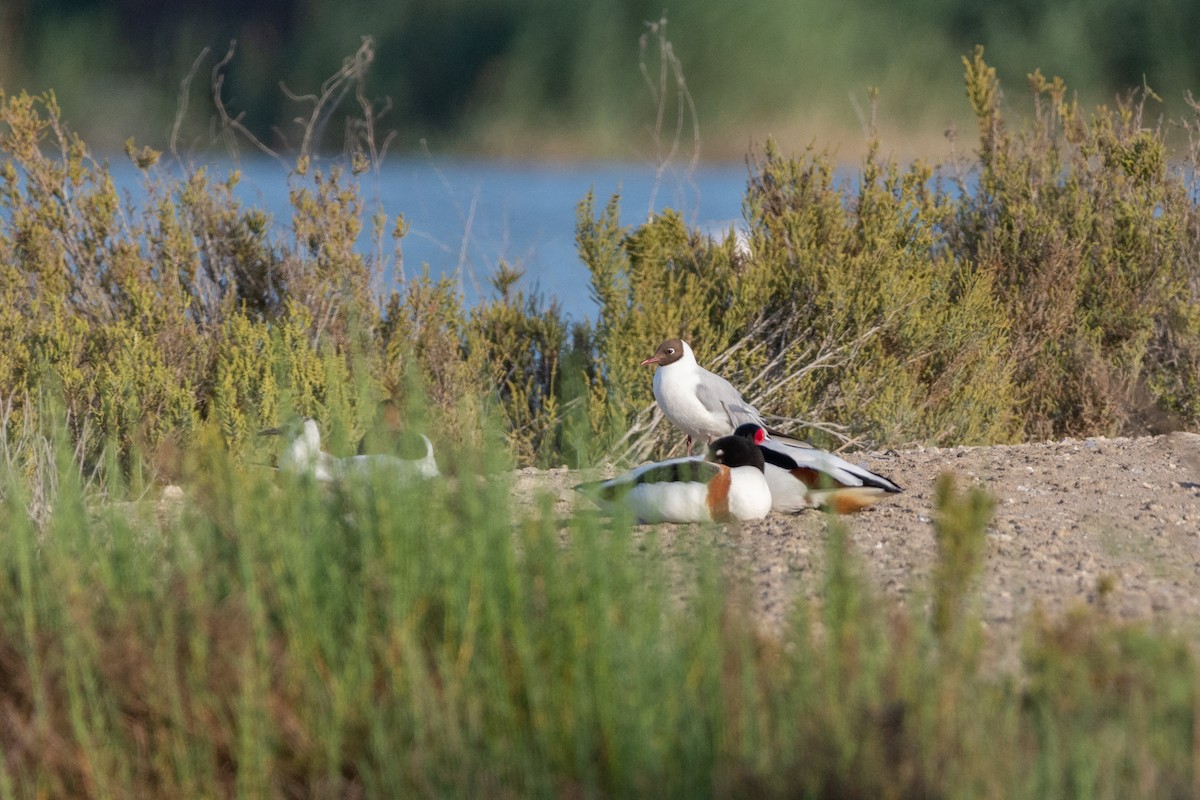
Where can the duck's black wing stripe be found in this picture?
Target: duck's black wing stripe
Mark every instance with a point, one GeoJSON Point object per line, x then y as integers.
{"type": "Point", "coordinates": [680, 471]}
{"type": "Point", "coordinates": [778, 459]}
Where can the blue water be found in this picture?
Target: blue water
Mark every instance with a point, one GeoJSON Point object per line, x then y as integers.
{"type": "Point", "coordinates": [466, 216]}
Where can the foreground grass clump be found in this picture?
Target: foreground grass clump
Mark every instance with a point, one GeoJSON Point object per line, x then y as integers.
{"type": "Point", "coordinates": [269, 637]}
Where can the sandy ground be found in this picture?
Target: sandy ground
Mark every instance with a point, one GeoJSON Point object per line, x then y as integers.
{"type": "Point", "coordinates": [1067, 513]}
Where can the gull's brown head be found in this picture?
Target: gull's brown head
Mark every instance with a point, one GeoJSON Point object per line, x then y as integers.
{"type": "Point", "coordinates": [668, 352]}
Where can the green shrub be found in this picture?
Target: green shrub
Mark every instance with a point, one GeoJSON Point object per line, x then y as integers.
{"type": "Point", "coordinates": [847, 309]}
{"type": "Point", "coordinates": [1088, 233]}
{"type": "Point", "coordinates": [151, 319]}
{"type": "Point", "coordinates": [1109, 706]}
{"type": "Point", "coordinates": [1044, 289]}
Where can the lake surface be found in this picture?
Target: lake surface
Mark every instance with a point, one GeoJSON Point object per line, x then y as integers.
{"type": "Point", "coordinates": [467, 215]}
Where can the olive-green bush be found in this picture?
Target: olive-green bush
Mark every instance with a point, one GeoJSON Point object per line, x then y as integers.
{"type": "Point", "coordinates": [187, 306]}
{"type": "Point", "coordinates": [1046, 288]}
{"type": "Point", "coordinates": [1043, 287]}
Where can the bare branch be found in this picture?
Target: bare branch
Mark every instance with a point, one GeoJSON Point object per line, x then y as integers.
{"type": "Point", "coordinates": [181, 106]}
{"type": "Point", "coordinates": [229, 124]}
{"type": "Point", "coordinates": [669, 68]}
{"type": "Point", "coordinates": [351, 75]}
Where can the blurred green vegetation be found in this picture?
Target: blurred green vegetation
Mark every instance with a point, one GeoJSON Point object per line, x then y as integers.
{"type": "Point", "coordinates": [540, 78]}
{"type": "Point", "coordinates": [260, 635]}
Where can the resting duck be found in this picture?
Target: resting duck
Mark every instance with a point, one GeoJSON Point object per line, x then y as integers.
{"type": "Point", "coordinates": [731, 486]}
{"type": "Point", "coordinates": [700, 403]}
{"type": "Point", "coordinates": [802, 476]}
{"type": "Point", "coordinates": [305, 456]}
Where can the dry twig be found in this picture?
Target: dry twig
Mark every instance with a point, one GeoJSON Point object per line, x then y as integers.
{"type": "Point", "coordinates": [231, 124]}
{"type": "Point", "coordinates": [670, 71]}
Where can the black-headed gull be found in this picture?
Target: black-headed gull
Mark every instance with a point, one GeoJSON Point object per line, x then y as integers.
{"type": "Point", "coordinates": [700, 403]}
{"type": "Point", "coordinates": [730, 487]}
{"type": "Point", "coordinates": [305, 456]}
{"type": "Point", "coordinates": [802, 476]}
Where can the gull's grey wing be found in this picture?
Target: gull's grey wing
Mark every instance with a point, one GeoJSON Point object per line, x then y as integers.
{"type": "Point", "coordinates": [743, 413]}
{"type": "Point", "coordinates": [782, 438]}
{"type": "Point", "coordinates": [718, 396]}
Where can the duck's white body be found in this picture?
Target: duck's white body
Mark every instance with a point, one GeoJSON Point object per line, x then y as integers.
{"type": "Point", "coordinates": [424, 467]}
{"type": "Point", "coordinates": [675, 500]}
{"type": "Point", "coordinates": [687, 489]}
{"type": "Point", "coordinates": [801, 476]}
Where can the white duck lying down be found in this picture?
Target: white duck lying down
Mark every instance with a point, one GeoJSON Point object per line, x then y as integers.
{"type": "Point", "coordinates": [802, 476]}
{"type": "Point", "coordinates": [729, 487]}
{"type": "Point", "coordinates": [305, 456]}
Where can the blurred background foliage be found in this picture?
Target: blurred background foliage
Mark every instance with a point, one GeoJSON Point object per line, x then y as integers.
{"type": "Point", "coordinates": [546, 79]}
